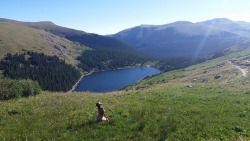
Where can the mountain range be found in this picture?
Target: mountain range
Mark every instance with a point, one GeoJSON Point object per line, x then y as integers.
{"type": "Point", "coordinates": [173, 40]}
{"type": "Point", "coordinates": [185, 39]}
{"type": "Point", "coordinates": [51, 39]}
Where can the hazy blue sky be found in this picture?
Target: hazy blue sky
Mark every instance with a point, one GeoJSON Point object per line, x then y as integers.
{"type": "Point", "coordinates": [111, 16]}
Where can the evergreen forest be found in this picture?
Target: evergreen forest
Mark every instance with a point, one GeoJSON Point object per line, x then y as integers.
{"type": "Point", "coordinates": [109, 58]}
{"type": "Point", "coordinates": [169, 64]}
{"type": "Point", "coordinates": [52, 73]}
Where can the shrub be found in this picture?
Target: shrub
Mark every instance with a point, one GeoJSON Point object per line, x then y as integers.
{"type": "Point", "coordinates": [18, 88]}
{"type": "Point", "coordinates": [9, 89]}
{"type": "Point", "coordinates": [30, 88]}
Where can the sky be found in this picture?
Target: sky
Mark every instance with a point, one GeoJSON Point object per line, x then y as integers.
{"type": "Point", "coordinates": [111, 16]}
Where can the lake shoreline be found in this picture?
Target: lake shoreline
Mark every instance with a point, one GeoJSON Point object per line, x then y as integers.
{"type": "Point", "coordinates": [74, 86]}
{"type": "Point", "coordinates": [133, 67]}
{"type": "Point", "coordinates": [89, 73]}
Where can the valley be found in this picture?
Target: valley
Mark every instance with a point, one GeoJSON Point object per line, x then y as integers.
{"type": "Point", "coordinates": [85, 51]}
{"type": "Point", "coordinates": [202, 93]}
{"type": "Point", "coordinates": [172, 105]}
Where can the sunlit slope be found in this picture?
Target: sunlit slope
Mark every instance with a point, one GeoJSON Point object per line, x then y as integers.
{"type": "Point", "coordinates": [208, 101]}
{"type": "Point", "coordinates": [170, 112]}
{"type": "Point", "coordinates": [185, 39]}
{"type": "Point", "coordinates": [47, 26]}
{"type": "Point", "coordinates": [229, 71]}
{"type": "Point", "coordinates": [53, 28]}
{"type": "Point", "coordinates": [16, 38]}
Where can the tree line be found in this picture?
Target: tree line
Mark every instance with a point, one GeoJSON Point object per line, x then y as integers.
{"type": "Point", "coordinates": [169, 64]}
{"type": "Point", "coordinates": [96, 41]}
{"type": "Point", "coordinates": [109, 58]}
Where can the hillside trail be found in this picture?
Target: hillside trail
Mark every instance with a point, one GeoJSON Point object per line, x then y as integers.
{"type": "Point", "coordinates": [244, 71]}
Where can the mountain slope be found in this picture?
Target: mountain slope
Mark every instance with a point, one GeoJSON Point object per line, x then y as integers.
{"type": "Point", "coordinates": [182, 39]}
{"type": "Point", "coordinates": [88, 39]}
{"type": "Point", "coordinates": [229, 71]}
{"type": "Point", "coordinates": [15, 38]}
{"type": "Point", "coordinates": [208, 101]}
{"type": "Point", "coordinates": [47, 26]}
{"type": "Point", "coordinates": [97, 42]}
{"type": "Point", "coordinates": [241, 28]}
{"type": "Point", "coordinates": [51, 39]}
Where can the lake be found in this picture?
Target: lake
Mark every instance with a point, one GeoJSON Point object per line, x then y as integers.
{"type": "Point", "coordinates": [113, 80]}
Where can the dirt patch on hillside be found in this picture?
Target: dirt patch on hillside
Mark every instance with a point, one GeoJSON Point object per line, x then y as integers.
{"type": "Point", "coordinates": [244, 68]}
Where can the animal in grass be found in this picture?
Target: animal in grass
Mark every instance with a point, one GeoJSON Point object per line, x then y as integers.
{"type": "Point", "coordinates": [101, 113]}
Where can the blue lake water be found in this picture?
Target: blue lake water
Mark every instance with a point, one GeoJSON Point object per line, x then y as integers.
{"type": "Point", "coordinates": [113, 80]}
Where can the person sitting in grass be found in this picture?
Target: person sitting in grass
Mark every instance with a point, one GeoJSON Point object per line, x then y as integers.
{"type": "Point", "coordinates": [101, 113]}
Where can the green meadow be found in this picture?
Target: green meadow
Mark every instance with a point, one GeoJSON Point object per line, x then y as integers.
{"type": "Point", "coordinates": [188, 104]}
{"type": "Point", "coordinates": [161, 113]}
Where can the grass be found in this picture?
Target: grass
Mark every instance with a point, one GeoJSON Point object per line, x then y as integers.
{"type": "Point", "coordinates": [57, 30]}
{"type": "Point", "coordinates": [1, 74]}
{"type": "Point", "coordinates": [177, 105]}
{"type": "Point", "coordinates": [16, 38]}
{"type": "Point", "coordinates": [162, 113]}
{"type": "Point", "coordinates": [204, 74]}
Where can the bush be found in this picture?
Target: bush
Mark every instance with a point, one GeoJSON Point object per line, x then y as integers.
{"type": "Point", "coordinates": [18, 88]}
{"type": "Point", "coordinates": [10, 89]}
{"type": "Point", "coordinates": [30, 88]}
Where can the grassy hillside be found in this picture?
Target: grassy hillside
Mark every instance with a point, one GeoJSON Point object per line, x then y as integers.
{"type": "Point", "coordinates": [47, 26]}
{"type": "Point", "coordinates": [172, 112]}
{"type": "Point", "coordinates": [226, 68]}
{"type": "Point", "coordinates": [54, 29]}
{"type": "Point", "coordinates": [15, 38]}
{"type": "Point", "coordinates": [209, 101]}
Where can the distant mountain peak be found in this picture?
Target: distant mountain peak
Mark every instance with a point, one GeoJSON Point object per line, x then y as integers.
{"type": "Point", "coordinates": [182, 22]}
{"type": "Point", "coordinates": [220, 21]}
{"type": "Point", "coordinates": [184, 38]}
{"type": "Point", "coordinates": [146, 25]}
